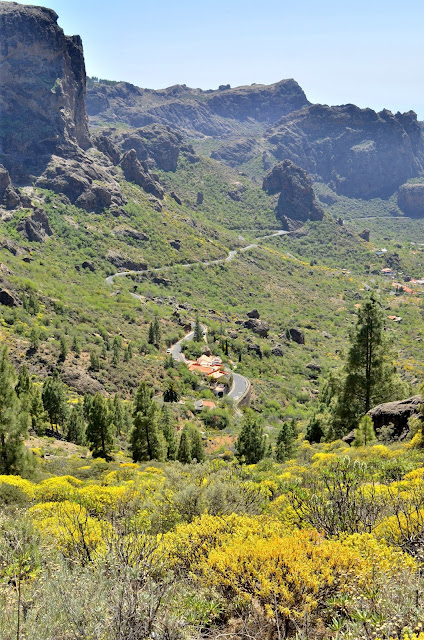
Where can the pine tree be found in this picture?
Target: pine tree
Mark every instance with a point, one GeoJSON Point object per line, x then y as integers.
{"type": "Point", "coordinates": [75, 346]}
{"type": "Point", "coordinates": [147, 441]}
{"type": "Point", "coordinates": [117, 414]}
{"type": "Point", "coordinates": [364, 434]}
{"type": "Point", "coordinates": [184, 448]}
{"type": "Point", "coordinates": [75, 425]}
{"type": "Point", "coordinates": [157, 332]}
{"type": "Point", "coordinates": [151, 338]}
{"type": "Point", "coordinates": [314, 430]}
{"type": "Point", "coordinates": [286, 441]}
{"type": "Point", "coordinates": [24, 384]}
{"type": "Point", "coordinates": [13, 423]}
{"type": "Point", "coordinates": [99, 428]}
{"type": "Point", "coordinates": [370, 374]}
{"type": "Point", "coordinates": [251, 443]}
{"type": "Point", "coordinates": [196, 445]}
{"type": "Point", "coordinates": [170, 393]}
{"type": "Point", "coordinates": [54, 400]}
{"type": "Point", "coordinates": [198, 332]}
{"type": "Point", "coordinates": [63, 349]}
{"type": "Point", "coordinates": [169, 433]}
{"type": "Point", "coordinates": [37, 413]}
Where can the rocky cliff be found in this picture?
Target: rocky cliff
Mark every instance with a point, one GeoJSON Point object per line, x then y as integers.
{"type": "Point", "coordinates": [358, 152]}
{"type": "Point", "coordinates": [44, 135]}
{"type": "Point", "coordinates": [42, 90]}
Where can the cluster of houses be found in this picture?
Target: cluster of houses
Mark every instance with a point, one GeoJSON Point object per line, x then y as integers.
{"type": "Point", "coordinates": [210, 367]}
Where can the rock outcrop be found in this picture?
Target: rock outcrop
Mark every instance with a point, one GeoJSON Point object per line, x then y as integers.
{"type": "Point", "coordinates": [36, 228]}
{"type": "Point", "coordinates": [410, 200]}
{"type": "Point", "coordinates": [396, 414]}
{"type": "Point", "coordinates": [10, 198]}
{"type": "Point", "coordinates": [296, 202]}
{"type": "Point", "coordinates": [135, 171]}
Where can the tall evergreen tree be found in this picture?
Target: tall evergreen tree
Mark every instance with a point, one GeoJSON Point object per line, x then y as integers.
{"type": "Point", "coordinates": [369, 371]}
{"type": "Point", "coordinates": [54, 400]}
{"type": "Point", "coordinates": [157, 332]}
{"type": "Point", "coordinates": [100, 428]}
{"type": "Point", "coordinates": [38, 415]}
{"type": "Point", "coordinates": [286, 441]}
{"type": "Point", "coordinates": [196, 445]}
{"type": "Point", "coordinates": [13, 423]}
{"type": "Point", "coordinates": [75, 425]}
{"type": "Point", "coordinates": [147, 441]}
{"type": "Point", "coordinates": [198, 332]}
{"type": "Point", "coordinates": [184, 447]}
{"type": "Point", "coordinates": [117, 414]}
{"type": "Point", "coordinates": [169, 433]}
{"type": "Point", "coordinates": [170, 394]}
{"type": "Point", "coordinates": [251, 443]}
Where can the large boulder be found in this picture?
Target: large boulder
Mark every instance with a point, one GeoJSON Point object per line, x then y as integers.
{"type": "Point", "coordinates": [396, 413]}
{"type": "Point", "coordinates": [296, 202]}
{"type": "Point", "coordinates": [259, 327]}
{"type": "Point", "coordinates": [297, 336]}
{"type": "Point", "coordinates": [8, 298]}
{"type": "Point", "coordinates": [410, 199]}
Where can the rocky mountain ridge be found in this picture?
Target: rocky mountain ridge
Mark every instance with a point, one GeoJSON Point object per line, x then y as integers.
{"type": "Point", "coordinates": [358, 152]}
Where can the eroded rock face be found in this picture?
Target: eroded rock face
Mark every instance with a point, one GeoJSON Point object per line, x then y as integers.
{"type": "Point", "coordinates": [124, 262]}
{"type": "Point", "coordinates": [411, 199]}
{"type": "Point", "coordinates": [8, 299]}
{"type": "Point", "coordinates": [44, 131]}
{"type": "Point", "coordinates": [78, 178]}
{"type": "Point", "coordinates": [358, 152]}
{"type": "Point", "coordinates": [42, 90]}
{"type": "Point", "coordinates": [134, 171]}
{"type": "Point", "coordinates": [297, 200]}
{"type": "Point", "coordinates": [297, 336]}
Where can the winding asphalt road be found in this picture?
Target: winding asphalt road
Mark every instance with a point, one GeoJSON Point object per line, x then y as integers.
{"type": "Point", "coordinates": [231, 255]}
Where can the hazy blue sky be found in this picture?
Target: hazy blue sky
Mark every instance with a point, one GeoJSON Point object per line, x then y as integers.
{"type": "Point", "coordinates": [370, 52]}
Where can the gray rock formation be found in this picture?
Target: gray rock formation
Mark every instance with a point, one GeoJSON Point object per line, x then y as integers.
{"type": "Point", "coordinates": [42, 90]}
{"type": "Point", "coordinates": [10, 198]}
{"type": "Point", "coordinates": [358, 152]}
{"type": "Point", "coordinates": [397, 414]}
{"type": "Point", "coordinates": [8, 298]}
{"type": "Point", "coordinates": [36, 228]}
{"type": "Point", "coordinates": [297, 336]}
{"type": "Point", "coordinates": [410, 200]}
{"type": "Point", "coordinates": [296, 202]}
{"type": "Point", "coordinates": [134, 171]}
{"type": "Point", "coordinates": [257, 326]}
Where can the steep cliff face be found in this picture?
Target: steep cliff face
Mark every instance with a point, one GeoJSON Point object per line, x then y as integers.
{"type": "Point", "coordinates": [296, 202]}
{"type": "Point", "coordinates": [212, 113]}
{"type": "Point", "coordinates": [42, 90]}
{"type": "Point", "coordinates": [358, 152]}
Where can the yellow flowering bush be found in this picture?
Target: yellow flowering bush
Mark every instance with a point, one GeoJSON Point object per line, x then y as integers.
{"type": "Point", "coordinates": [57, 489]}
{"type": "Point", "coordinates": [75, 533]}
{"type": "Point", "coordinates": [289, 574]}
{"type": "Point", "coordinates": [102, 500]}
{"type": "Point", "coordinates": [26, 486]}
